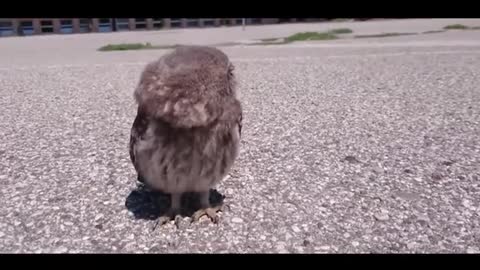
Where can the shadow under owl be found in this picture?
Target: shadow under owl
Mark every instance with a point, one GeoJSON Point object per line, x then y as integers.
{"type": "Point", "coordinates": [149, 204]}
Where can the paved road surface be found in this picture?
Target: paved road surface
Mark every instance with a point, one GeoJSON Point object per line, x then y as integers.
{"type": "Point", "coordinates": [355, 145]}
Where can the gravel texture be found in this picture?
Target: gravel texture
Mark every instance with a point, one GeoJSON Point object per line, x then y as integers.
{"type": "Point", "coordinates": [349, 146]}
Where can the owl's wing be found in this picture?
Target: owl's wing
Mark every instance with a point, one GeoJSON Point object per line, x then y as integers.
{"type": "Point", "coordinates": [139, 128]}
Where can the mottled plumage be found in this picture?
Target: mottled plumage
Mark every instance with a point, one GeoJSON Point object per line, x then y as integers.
{"type": "Point", "coordinates": [186, 135]}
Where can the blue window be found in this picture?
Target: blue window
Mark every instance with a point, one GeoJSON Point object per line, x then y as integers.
{"type": "Point", "coordinates": [140, 23]}
{"type": "Point", "coordinates": [157, 22]}
{"type": "Point", "coordinates": [192, 22]}
{"type": "Point", "coordinates": [175, 22]}
{"type": "Point", "coordinates": [208, 22]}
{"type": "Point", "coordinates": [46, 26]}
{"type": "Point", "coordinates": [26, 28]}
{"type": "Point", "coordinates": [104, 25]}
{"type": "Point", "coordinates": [6, 29]}
{"type": "Point", "coordinates": [122, 24]}
{"type": "Point", "coordinates": [84, 25]}
{"type": "Point", "coordinates": [66, 26]}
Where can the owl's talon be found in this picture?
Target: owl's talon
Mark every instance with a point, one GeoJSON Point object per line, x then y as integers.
{"type": "Point", "coordinates": [167, 217]}
{"type": "Point", "coordinates": [211, 212]}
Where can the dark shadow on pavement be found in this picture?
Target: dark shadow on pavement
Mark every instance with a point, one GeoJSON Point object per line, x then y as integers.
{"type": "Point", "coordinates": [145, 203]}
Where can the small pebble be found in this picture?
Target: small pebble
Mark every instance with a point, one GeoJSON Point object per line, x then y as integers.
{"type": "Point", "coordinates": [437, 176]}
{"type": "Point", "coordinates": [355, 244]}
{"type": "Point", "coordinates": [324, 247]}
{"type": "Point", "coordinates": [472, 250]}
{"type": "Point", "coordinates": [447, 163]}
{"type": "Point", "coordinates": [351, 159]}
{"type": "Point", "coordinates": [155, 248]}
{"type": "Point", "coordinates": [299, 249]}
{"type": "Point", "coordinates": [322, 209]}
{"type": "Point", "coordinates": [296, 229]}
{"type": "Point", "coordinates": [237, 220]}
{"type": "Point", "coordinates": [281, 247]}
{"type": "Point", "coordinates": [466, 203]}
{"type": "Point", "coordinates": [423, 219]}
{"type": "Point", "coordinates": [381, 216]}
{"type": "Point", "coordinates": [61, 250]}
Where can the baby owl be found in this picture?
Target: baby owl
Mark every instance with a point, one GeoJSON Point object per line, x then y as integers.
{"type": "Point", "coordinates": [186, 135]}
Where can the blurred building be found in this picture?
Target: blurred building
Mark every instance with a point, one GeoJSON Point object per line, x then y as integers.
{"type": "Point", "coordinates": [39, 26]}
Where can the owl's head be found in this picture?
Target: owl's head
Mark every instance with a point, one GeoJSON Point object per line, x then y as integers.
{"type": "Point", "coordinates": [189, 86]}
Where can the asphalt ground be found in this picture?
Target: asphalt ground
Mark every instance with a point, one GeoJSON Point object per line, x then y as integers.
{"type": "Point", "coordinates": [349, 146]}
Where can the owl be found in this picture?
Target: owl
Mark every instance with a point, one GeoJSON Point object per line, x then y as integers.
{"type": "Point", "coordinates": [186, 134]}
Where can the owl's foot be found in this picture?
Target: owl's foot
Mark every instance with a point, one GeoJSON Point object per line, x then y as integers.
{"type": "Point", "coordinates": [172, 213]}
{"type": "Point", "coordinates": [167, 217]}
{"type": "Point", "coordinates": [211, 212]}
